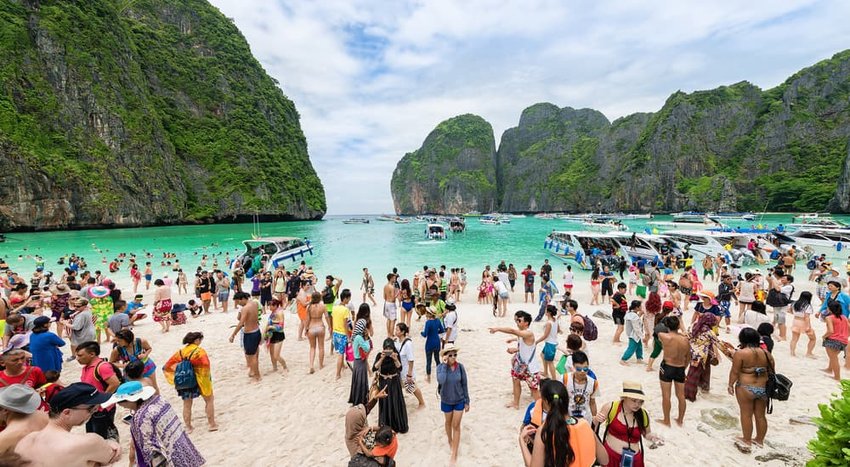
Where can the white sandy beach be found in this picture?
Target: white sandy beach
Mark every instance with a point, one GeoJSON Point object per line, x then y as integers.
{"type": "Point", "coordinates": [294, 418]}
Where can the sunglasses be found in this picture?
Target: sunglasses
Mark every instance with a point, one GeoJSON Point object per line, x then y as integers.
{"type": "Point", "coordinates": [453, 355]}
{"type": "Point", "coordinates": [583, 370]}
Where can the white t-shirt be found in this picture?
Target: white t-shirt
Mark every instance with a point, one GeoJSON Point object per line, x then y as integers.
{"type": "Point", "coordinates": [568, 278]}
{"type": "Point", "coordinates": [581, 393]}
{"type": "Point", "coordinates": [450, 322]}
{"type": "Point", "coordinates": [501, 288]}
{"type": "Point", "coordinates": [503, 277]}
{"type": "Point", "coordinates": [405, 354]}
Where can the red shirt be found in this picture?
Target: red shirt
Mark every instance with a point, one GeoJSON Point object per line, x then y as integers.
{"type": "Point", "coordinates": [32, 376]}
{"type": "Point", "coordinates": [105, 371]}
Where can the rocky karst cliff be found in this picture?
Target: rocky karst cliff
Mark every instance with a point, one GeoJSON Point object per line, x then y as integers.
{"type": "Point", "coordinates": [142, 112]}
{"type": "Point", "coordinates": [453, 172]}
{"type": "Point", "coordinates": [731, 148]}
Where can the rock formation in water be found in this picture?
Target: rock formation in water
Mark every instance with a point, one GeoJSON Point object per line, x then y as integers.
{"type": "Point", "coordinates": [118, 113]}
{"type": "Point", "coordinates": [731, 148]}
{"type": "Point", "coordinates": [454, 171]}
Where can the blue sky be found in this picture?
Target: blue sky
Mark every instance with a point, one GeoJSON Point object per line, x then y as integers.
{"type": "Point", "coordinates": [371, 79]}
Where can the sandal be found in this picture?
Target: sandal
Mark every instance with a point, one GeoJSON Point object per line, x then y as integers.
{"type": "Point", "coordinates": [743, 447]}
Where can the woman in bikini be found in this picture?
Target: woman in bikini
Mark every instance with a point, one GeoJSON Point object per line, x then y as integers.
{"type": "Point", "coordinates": [595, 286]}
{"type": "Point", "coordinates": [748, 382]}
{"type": "Point", "coordinates": [406, 295]}
{"type": "Point", "coordinates": [316, 329]}
{"type": "Point", "coordinates": [274, 333]}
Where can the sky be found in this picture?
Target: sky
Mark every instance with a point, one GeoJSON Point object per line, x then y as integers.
{"type": "Point", "coordinates": [371, 79]}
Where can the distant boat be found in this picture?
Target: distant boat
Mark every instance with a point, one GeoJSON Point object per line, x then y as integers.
{"type": "Point", "coordinates": [806, 216]}
{"type": "Point", "coordinates": [604, 225]}
{"type": "Point", "coordinates": [457, 225]}
{"type": "Point", "coordinates": [634, 216]}
{"type": "Point", "coordinates": [746, 216]}
{"type": "Point", "coordinates": [489, 220]}
{"type": "Point", "coordinates": [435, 232]}
{"type": "Point", "coordinates": [401, 220]}
{"type": "Point", "coordinates": [518, 216]}
{"type": "Point", "coordinates": [271, 251]}
{"type": "Point", "coordinates": [544, 215]}
{"type": "Point", "coordinates": [472, 214]}
{"type": "Point", "coordinates": [356, 220]}
{"type": "Point", "coordinates": [386, 218]}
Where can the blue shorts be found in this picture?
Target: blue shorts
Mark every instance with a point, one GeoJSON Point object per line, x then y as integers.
{"type": "Point", "coordinates": [549, 352]}
{"type": "Point", "coordinates": [449, 408]}
{"type": "Point", "coordinates": [340, 341]}
{"type": "Point", "coordinates": [148, 277]}
{"type": "Point", "coordinates": [724, 309]}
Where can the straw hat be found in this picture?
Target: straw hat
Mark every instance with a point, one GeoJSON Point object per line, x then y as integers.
{"type": "Point", "coordinates": [449, 348]}
{"type": "Point", "coordinates": [62, 289]}
{"type": "Point", "coordinates": [634, 390]}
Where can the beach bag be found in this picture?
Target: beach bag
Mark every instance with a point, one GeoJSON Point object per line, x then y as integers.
{"type": "Point", "coordinates": [117, 371]}
{"type": "Point", "coordinates": [561, 367]}
{"type": "Point", "coordinates": [328, 296]}
{"type": "Point", "coordinates": [778, 299]}
{"type": "Point", "coordinates": [520, 367]}
{"type": "Point", "coordinates": [349, 352]}
{"type": "Point", "coordinates": [184, 374]}
{"type": "Point", "coordinates": [591, 332]}
{"type": "Point", "coordinates": [778, 386]}
{"type": "Point", "coordinates": [641, 291]}
{"type": "Point", "coordinates": [811, 264]}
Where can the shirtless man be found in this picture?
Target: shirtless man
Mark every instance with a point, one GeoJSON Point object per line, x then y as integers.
{"type": "Point", "coordinates": [390, 307]}
{"type": "Point", "coordinates": [70, 407]}
{"type": "Point", "coordinates": [250, 326]}
{"type": "Point", "coordinates": [19, 414]}
{"type": "Point", "coordinates": [677, 354]}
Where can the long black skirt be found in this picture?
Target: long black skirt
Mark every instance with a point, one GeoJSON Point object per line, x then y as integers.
{"type": "Point", "coordinates": [359, 383]}
{"type": "Point", "coordinates": [392, 410]}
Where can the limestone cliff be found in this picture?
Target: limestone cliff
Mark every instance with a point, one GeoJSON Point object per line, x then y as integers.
{"type": "Point", "coordinates": [731, 148]}
{"type": "Point", "coordinates": [116, 113]}
{"type": "Point", "coordinates": [453, 172]}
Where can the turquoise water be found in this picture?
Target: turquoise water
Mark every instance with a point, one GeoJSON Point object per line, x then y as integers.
{"type": "Point", "coordinates": [340, 249]}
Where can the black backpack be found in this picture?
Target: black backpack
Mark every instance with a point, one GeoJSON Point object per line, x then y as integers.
{"type": "Point", "coordinates": [328, 296]}
{"type": "Point", "coordinates": [778, 299]}
{"type": "Point", "coordinates": [778, 386]}
{"type": "Point", "coordinates": [118, 374]}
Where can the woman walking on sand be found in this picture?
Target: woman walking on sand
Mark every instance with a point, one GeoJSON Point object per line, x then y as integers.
{"type": "Point", "coordinates": [274, 333]}
{"type": "Point", "coordinates": [197, 357]}
{"type": "Point", "coordinates": [162, 305]}
{"type": "Point", "coordinates": [360, 346]}
{"type": "Point", "coordinates": [316, 330]}
{"type": "Point", "coordinates": [705, 351]}
{"type": "Point", "coordinates": [748, 383]}
{"type": "Point", "coordinates": [802, 324]}
{"type": "Point", "coordinates": [392, 411]}
{"type": "Point", "coordinates": [454, 396]}
{"type": "Point", "coordinates": [835, 338]}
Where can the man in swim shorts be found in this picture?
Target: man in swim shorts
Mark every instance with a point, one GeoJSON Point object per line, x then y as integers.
{"type": "Point", "coordinates": [390, 299]}
{"type": "Point", "coordinates": [250, 326]}
{"type": "Point", "coordinates": [526, 364]}
{"type": "Point", "coordinates": [148, 275]}
{"type": "Point", "coordinates": [342, 328]}
{"type": "Point", "coordinates": [677, 354]}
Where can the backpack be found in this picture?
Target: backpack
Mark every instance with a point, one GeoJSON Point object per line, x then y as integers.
{"type": "Point", "coordinates": [117, 371]}
{"type": "Point", "coordinates": [811, 264]}
{"type": "Point", "coordinates": [184, 373]}
{"type": "Point", "coordinates": [778, 299]}
{"type": "Point", "coordinates": [778, 386]}
{"type": "Point", "coordinates": [590, 330]}
{"type": "Point", "coordinates": [328, 296]}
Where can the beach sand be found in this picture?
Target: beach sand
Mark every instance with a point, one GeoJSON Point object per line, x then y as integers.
{"type": "Point", "coordinates": [292, 418]}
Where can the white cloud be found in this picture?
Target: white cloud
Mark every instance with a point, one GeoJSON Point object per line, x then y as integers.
{"type": "Point", "coordinates": [371, 79]}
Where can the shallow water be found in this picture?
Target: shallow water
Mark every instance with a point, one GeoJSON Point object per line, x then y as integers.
{"type": "Point", "coordinates": [340, 249]}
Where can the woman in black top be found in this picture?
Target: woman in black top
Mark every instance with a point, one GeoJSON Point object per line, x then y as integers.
{"type": "Point", "coordinates": [392, 410]}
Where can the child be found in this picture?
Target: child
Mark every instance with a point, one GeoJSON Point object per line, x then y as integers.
{"type": "Point", "coordinates": [49, 389]}
{"type": "Point", "coordinates": [134, 371]}
{"type": "Point", "coordinates": [386, 445]}
{"type": "Point", "coordinates": [634, 331]}
{"type": "Point", "coordinates": [194, 308]}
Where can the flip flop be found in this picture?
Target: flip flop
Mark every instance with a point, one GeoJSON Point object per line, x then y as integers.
{"type": "Point", "coordinates": [743, 447]}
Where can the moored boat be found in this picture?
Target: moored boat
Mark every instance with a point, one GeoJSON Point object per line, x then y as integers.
{"type": "Point", "coordinates": [272, 252]}
{"type": "Point", "coordinates": [356, 220]}
{"type": "Point", "coordinates": [489, 220]}
{"type": "Point", "coordinates": [435, 232]}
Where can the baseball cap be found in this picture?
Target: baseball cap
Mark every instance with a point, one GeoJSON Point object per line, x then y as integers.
{"type": "Point", "coordinates": [41, 321]}
{"type": "Point", "coordinates": [77, 394]}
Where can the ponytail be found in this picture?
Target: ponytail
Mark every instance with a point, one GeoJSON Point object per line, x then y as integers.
{"type": "Point", "coordinates": [555, 433]}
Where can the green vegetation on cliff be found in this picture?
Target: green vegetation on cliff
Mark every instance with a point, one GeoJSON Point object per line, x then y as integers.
{"type": "Point", "coordinates": [147, 111]}
{"type": "Point", "coordinates": [735, 147]}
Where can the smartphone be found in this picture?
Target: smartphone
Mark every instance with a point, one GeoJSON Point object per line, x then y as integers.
{"type": "Point", "coordinates": [628, 458]}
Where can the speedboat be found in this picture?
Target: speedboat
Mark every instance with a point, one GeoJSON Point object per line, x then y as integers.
{"type": "Point", "coordinates": [821, 223]}
{"type": "Point", "coordinates": [730, 245]}
{"type": "Point", "coordinates": [806, 216]}
{"type": "Point", "coordinates": [745, 216]}
{"type": "Point", "coordinates": [401, 220]}
{"type": "Point", "coordinates": [386, 218]}
{"type": "Point", "coordinates": [588, 248]}
{"type": "Point", "coordinates": [544, 215]}
{"type": "Point", "coordinates": [457, 225]}
{"type": "Point", "coordinates": [356, 220]}
{"type": "Point", "coordinates": [688, 223]}
{"type": "Point", "coordinates": [271, 251]}
{"type": "Point", "coordinates": [604, 225]}
{"type": "Point", "coordinates": [472, 214]}
{"type": "Point", "coordinates": [435, 232]}
{"type": "Point", "coordinates": [826, 242]}
{"type": "Point", "coordinates": [634, 216]}
{"type": "Point", "coordinates": [489, 220]}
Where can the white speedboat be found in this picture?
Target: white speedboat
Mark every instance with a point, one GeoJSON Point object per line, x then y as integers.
{"type": "Point", "coordinates": [457, 225]}
{"type": "Point", "coordinates": [544, 215]}
{"type": "Point", "coordinates": [386, 218]}
{"type": "Point", "coordinates": [828, 242]}
{"type": "Point", "coordinates": [587, 248]}
{"type": "Point", "coordinates": [272, 251]}
{"type": "Point", "coordinates": [687, 222]}
{"type": "Point", "coordinates": [744, 216]}
{"type": "Point", "coordinates": [604, 225]}
{"type": "Point", "coordinates": [401, 220]}
{"type": "Point", "coordinates": [356, 220]}
{"type": "Point", "coordinates": [730, 245]}
{"type": "Point", "coordinates": [821, 223]}
{"type": "Point", "coordinates": [803, 217]}
{"type": "Point", "coordinates": [435, 232]}
{"type": "Point", "coordinates": [489, 220]}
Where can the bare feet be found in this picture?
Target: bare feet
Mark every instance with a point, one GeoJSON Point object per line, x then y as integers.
{"type": "Point", "coordinates": [420, 407]}
{"type": "Point", "coordinates": [663, 422]}
{"type": "Point", "coordinates": [811, 355]}
{"type": "Point", "coordinates": [649, 369]}
{"type": "Point", "coordinates": [189, 429]}
{"type": "Point", "coordinates": [624, 363]}
{"type": "Point", "coordinates": [312, 370]}
{"type": "Point", "coordinates": [680, 422]}
{"type": "Point", "coordinates": [511, 405]}
{"type": "Point", "coordinates": [214, 427]}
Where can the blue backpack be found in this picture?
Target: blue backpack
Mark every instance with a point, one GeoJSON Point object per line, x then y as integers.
{"type": "Point", "coordinates": [184, 374]}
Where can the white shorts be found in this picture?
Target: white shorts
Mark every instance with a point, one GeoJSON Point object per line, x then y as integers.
{"type": "Point", "coordinates": [390, 311]}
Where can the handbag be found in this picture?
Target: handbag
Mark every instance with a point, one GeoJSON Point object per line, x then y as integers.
{"type": "Point", "coordinates": [641, 291]}
{"type": "Point", "coordinates": [561, 367]}
{"type": "Point", "coordinates": [520, 367]}
{"type": "Point", "coordinates": [778, 385]}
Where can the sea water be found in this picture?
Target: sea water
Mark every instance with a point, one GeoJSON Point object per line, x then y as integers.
{"type": "Point", "coordinates": [339, 249]}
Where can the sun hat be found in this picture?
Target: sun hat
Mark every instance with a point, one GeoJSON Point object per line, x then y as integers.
{"type": "Point", "coordinates": [77, 394]}
{"type": "Point", "coordinates": [449, 348]}
{"type": "Point", "coordinates": [62, 289]}
{"type": "Point", "coordinates": [19, 398]}
{"type": "Point", "coordinates": [99, 291]}
{"type": "Point", "coordinates": [17, 342]}
{"type": "Point", "coordinates": [131, 391]}
{"type": "Point", "coordinates": [633, 390]}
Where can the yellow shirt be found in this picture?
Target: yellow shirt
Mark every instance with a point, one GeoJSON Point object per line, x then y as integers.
{"type": "Point", "coordinates": [341, 314]}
